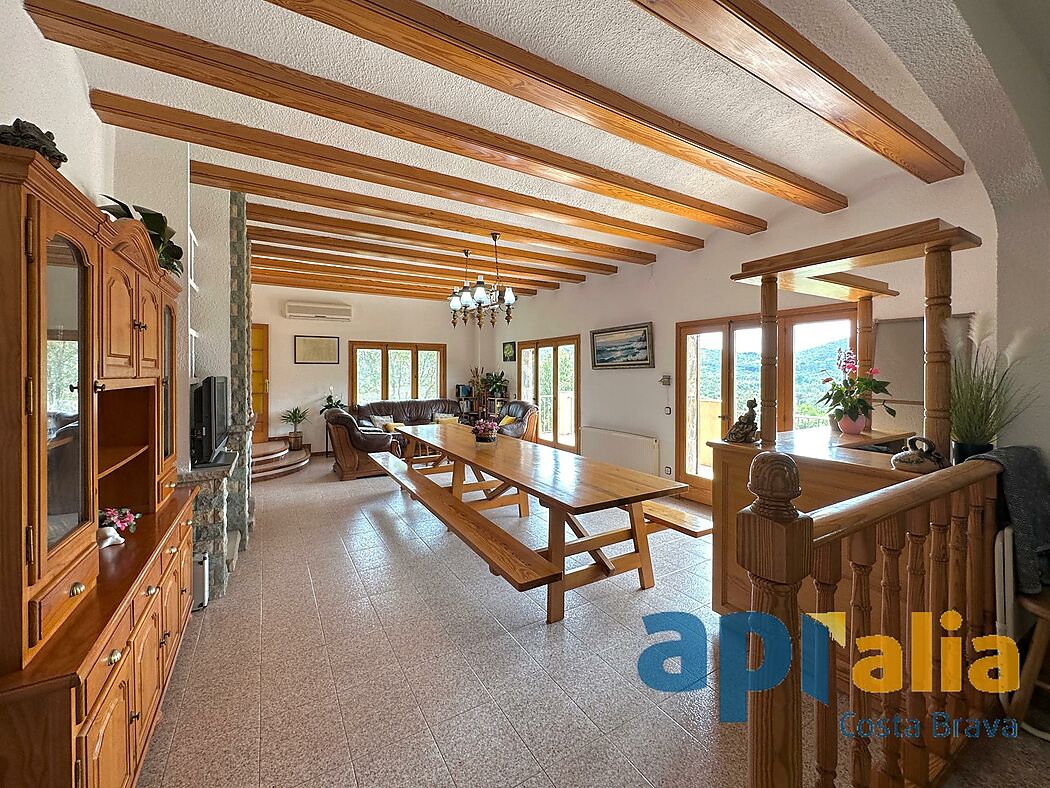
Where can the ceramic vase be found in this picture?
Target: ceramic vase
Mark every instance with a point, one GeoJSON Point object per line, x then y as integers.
{"type": "Point", "coordinates": [852, 426]}
{"type": "Point", "coordinates": [962, 451]}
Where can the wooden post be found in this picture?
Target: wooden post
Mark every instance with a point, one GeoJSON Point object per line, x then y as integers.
{"type": "Point", "coordinates": [768, 379]}
{"type": "Point", "coordinates": [556, 555]}
{"type": "Point", "coordinates": [937, 369]}
{"type": "Point", "coordinates": [775, 546]}
{"type": "Point", "coordinates": [865, 336]}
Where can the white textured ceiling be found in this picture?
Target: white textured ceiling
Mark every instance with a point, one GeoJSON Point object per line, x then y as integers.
{"type": "Point", "coordinates": [612, 42]}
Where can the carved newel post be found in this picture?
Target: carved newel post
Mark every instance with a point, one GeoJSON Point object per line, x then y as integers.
{"type": "Point", "coordinates": [775, 546]}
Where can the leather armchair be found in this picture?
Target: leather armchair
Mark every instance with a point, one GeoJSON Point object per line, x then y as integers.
{"type": "Point", "coordinates": [526, 420]}
{"type": "Point", "coordinates": [352, 442]}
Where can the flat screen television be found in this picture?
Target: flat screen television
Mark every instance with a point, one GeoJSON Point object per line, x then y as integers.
{"type": "Point", "coordinates": [209, 419]}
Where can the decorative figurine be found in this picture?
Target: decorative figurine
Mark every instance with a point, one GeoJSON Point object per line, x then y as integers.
{"type": "Point", "coordinates": [918, 460]}
{"type": "Point", "coordinates": [746, 428]}
{"type": "Point", "coordinates": [23, 134]}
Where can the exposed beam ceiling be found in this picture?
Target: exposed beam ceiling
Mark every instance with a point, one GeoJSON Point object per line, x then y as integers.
{"type": "Point", "coordinates": [451, 268]}
{"type": "Point", "coordinates": [126, 38]}
{"type": "Point", "coordinates": [449, 259]}
{"type": "Point", "coordinates": [429, 35]}
{"type": "Point", "coordinates": [198, 129]}
{"type": "Point", "coordinates": [214, 175]}
{"type": "Point", "coordinates": [754, 38]}
{"type": "Point", "coordinates": [334, 285]}
{"type": "Point", "coordinates": [320, 262]}
{"type": "Point", "coordinates": [284, 217]}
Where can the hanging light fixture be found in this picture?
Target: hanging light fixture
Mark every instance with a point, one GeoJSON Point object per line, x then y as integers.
{"type": "Point", "coordinates": [479, 297]}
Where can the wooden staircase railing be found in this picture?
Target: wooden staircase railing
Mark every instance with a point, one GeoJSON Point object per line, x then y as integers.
{"type": "Point", "coordinates": [943, 527]}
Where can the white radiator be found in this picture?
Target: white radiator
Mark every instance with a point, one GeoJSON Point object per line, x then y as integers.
{"type": "Point", "coordinates": [639, 452]}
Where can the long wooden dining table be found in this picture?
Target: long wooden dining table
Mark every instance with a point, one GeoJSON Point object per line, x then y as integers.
{"type": "Point", "coordinates": [508, 471]}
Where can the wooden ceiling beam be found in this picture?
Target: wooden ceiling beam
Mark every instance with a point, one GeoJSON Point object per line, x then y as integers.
{"type": "Point", "coordinates": [750, 35]}
{"type": "Point", "coordinates": [445, 281]}
{"type": "Point", "coordinates": [125, 38]}
{"type": "Point", "coordinates": [197, 129]}
{"type": "Point", "coordinates": [426, 34]}
{"type": "Point", "coordinates": [259, 250]}
{"type": "Point", "coordinates": [450, 260]}
{"type": "Point", "coordinates": [220, 177]}
{"type": "Point", "coordinates": [335, 286]}
{"type": "Point", "coordinates": [284, 217]}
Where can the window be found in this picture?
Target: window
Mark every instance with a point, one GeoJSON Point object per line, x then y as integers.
{"type": "Point", "coordinates": [396, 372]}
{"type": "Point", "coordinates": [549, 375]}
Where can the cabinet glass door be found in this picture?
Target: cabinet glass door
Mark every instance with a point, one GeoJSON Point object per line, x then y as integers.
{"type": "Point", "coordinates": [167, 382]}
{"type": "Point", "coordinates": [67, 385]}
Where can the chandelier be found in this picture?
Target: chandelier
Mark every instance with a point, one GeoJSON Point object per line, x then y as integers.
{"type": "Point", "coordinates": [479, 299]}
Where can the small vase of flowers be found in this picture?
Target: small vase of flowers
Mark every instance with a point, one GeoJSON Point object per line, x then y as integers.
{"type": "Point", "coordinates": [485, 431]}
{"type": "Point", "coordinates": [111, 522]}
{"type": "Point", "coordinates": [849, 395]}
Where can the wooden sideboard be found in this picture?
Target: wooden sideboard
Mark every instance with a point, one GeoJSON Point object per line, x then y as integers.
{"type": "Point", "coordinates": [88, 637]}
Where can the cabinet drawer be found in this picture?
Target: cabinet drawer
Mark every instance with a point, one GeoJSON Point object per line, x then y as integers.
{"type": "Point", "coordinates": [105, 663]}
{"type": "Point", "coordinates": [148, 588]}
{"type": "Point", "coordinates": [53, 605]}
{"type": "Point", "coordinates": [166, 486]}
{"type": "Point", "coordinates": [172, 554]}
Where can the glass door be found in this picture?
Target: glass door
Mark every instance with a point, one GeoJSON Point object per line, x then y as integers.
{"type": "Point", "coordinates": [702, 411]}
{"type": "Point", "coordinates": [746, 371]}
{"type": "Point", "coordinates": [549, 376]}
{"type": "Point", "coordinates": [815, 346]}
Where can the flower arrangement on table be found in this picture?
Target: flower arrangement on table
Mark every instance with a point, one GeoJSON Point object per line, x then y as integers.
{"type": "Point", "coordinates": [849, 397]}
{"type": "Point", "coordinates": [121, 519]}
{"type": "Point", "coordinates": [485, 431]}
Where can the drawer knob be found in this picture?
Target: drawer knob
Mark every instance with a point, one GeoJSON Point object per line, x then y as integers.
{"type": "Point", "coordinates": [134, 716]}
{"type": "Point", "coordinates": [172, 550]}
{"type": "Point", "coordinates": [171, 485]}
{"type": "Point", "coordinates": [77, 589]}
{"type": "Point", "coordinates": [151, 590]}
{"type": "Point", "coordinates": [189, 522]}
{"type": "Point", "coordinates": [114, 657]}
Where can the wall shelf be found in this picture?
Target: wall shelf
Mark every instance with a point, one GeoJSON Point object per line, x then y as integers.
{"type": "Point", "coordinates": [112, 457]}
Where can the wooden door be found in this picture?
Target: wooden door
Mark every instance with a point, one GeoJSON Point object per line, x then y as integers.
{"type": "Point", "coordinates": [149, 667]}
{"type": "Point", "coordinates": [119, 316]}
{"type": "Point", "coordinates": [171, 612]}
{"type": "Point", "coordinates": [549, 375]}
{"type": "Point", "coordinates": [261, 381]}
{"type": "Point", "coordinates": [108, 745]}
{"type": "Point", "coordinates": [186, 583]}
{"type": "Point", "coordinates": [150, 328]}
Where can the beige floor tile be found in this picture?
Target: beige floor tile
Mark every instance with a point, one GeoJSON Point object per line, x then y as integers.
{"type": "Point", "coordinates": [481, 748]}
{"type": "Point", "coordinates": [413, 761]}
{"type": "Point", "coordinates": [303, 743]}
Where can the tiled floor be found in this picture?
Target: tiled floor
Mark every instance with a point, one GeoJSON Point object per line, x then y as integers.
{"type": "Point", "coordinates": [362, 644]}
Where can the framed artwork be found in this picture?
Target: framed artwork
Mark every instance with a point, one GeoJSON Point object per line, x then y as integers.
{"type": "Point", "coordinates": [316, 350]}
{"type": "Point", "coordinates": [623, 347]}
{"type": "Point", "coordinates": [510, 351]}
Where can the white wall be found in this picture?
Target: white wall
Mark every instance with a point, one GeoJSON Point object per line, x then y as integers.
{"type": "Point", "coordinates": [689, 286]}
{"type": "Point", "coordinates": [44, 83]}
{"type": "Point", "coordinates": [376, 319]}
{"type": "Point", "coordinates": [210, 220]}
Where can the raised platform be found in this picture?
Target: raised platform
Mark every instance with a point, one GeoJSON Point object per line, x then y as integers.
{"type": "Point", "coordinates": [268, 450]}
{"type": "Point", "coordinates": [280, 464]}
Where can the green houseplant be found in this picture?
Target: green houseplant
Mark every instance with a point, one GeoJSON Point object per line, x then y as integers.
{"type": "Point", "coordinates": [849, 395]}
{"type": "Point", "coordinates": [294, 417]}
{"type": "Point", "coordinates": [495, 383]}
{"type": "Point", "coordinates": [332, 401]}
{"type": "Point", "coordinates": [985, 394]}
{"type": "Point", "coordinates": [169, 253]}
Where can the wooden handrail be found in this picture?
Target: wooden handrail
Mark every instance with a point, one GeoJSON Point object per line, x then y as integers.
{"type": "Point", "coordinates": [837, 521]}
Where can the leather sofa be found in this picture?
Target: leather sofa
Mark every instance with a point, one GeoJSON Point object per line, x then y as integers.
{"type": "Point", "coordinates": [354, 435]}
{"type": "Point", "coordinates": [526, 420]}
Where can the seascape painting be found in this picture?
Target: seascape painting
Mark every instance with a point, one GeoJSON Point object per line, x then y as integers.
{"type": "Point", "coordinates": [623, 347]}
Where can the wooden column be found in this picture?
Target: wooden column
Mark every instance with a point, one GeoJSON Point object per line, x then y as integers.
{"type": "Point", "coordinates": [937, 370]}
{"type": "Point", "coordinates": [768, 379]}
{"type": "Point", "coordinates": [775, 546]}
{"type": "Point", "coordinates": [865, 337]}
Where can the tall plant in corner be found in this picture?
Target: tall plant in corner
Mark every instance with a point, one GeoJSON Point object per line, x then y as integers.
{"type": "Point", "coordinates": [985, 394]}
{"type": "Point", "coordinates": [169, 253]}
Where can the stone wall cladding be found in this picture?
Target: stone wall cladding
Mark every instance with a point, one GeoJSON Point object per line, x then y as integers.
{"type": "Point", "coordinates": [240, 368]}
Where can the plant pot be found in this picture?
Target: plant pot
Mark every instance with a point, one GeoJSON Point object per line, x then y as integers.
{"type": "Point", "coordinates": [852, 426]}
{"type": "Point", "coordinates": [962, 451]}
{"type": "Point", "coordinates": [295, 441]}
{"type": "Point", "coordinates": [484, 438]}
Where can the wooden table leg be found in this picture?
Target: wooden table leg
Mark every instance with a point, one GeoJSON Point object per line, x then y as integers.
{"type": "Point", "coordinates": [640, 534]}
{"type": "Point", "coordinates": [523, 503]}
{"type": "Point", "coordinates": [410, 451]}
{"type": "Point", "coordinates": [599, 555]}
{"type": "Point", "coordinates": [556, 555]}
{"type": "Point", "coordinates": [459, 474]}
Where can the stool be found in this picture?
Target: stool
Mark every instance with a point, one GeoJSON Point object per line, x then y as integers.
{"type": "Point", "coordinates": [1039, 606]}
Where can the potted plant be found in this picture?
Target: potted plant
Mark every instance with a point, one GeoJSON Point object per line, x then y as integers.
{"type": "Point", "coordinates": [495, 384]}
{"type": "Point", "coordinates": [332, 401]}
{"type": "Point", "coordinates": [985, 395]}
{"type": "Point", "coordinates": [169, 254]}
{"type": "Point", "coordinates": [111, 522]}
{"type": "Point", "coordinates": [295, 417]}
{"type": "Point", "coordinates": [848, 398]}
{"type": "Point", "coordinates": [485, 431]}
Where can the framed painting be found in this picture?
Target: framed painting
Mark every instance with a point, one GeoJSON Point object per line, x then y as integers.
{"type": "Point", "coordinates": [623, 347]}
{"type": "Point", "coordinates": [316, 350]}
{"type": "Point", "coordinates": [510, 351]}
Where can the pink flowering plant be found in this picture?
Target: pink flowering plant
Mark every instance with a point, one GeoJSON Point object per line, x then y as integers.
{"type": "Point", "coordinates": [484, 429]}
{"type": "Point", "coordinates": [850, 392]}
{"type": "Point", "coordinates": [121, 519]}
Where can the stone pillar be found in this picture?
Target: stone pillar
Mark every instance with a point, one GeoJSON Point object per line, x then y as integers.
{"type": "Point", "coordinates": [209, 521]}
{"type": "Point", "coordinates": [240, 369]}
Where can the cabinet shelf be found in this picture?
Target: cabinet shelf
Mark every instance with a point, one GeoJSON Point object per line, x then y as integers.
{"type": "Point", "coordinates": [112, 457]}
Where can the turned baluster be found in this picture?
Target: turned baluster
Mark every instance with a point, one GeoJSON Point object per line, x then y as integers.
{"type": "Point", "coordinates": [775, 546]}
{"type": "Point", "coordinates": [916, 756]}
{"type": "Point", "coordinates": [861, 559]}
{"type": "Point", "coordinates": [891, 541]}
{"type": "Point", "coordinates": [990, 489]}
{"type": "Point", "coordinates": [975, 581]}
{"type": "Point", "coordinates": [827, 572]}
{"type": "Point", "coordinates": [938, 596]}
{"type": "Point", "coordinates": [958, 567]}
{"type": "Point", "coordinates": [768, 372]}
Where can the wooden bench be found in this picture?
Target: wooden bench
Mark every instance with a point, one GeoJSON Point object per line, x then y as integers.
{"type": "Point", "coordinates": [518, 564]}
{"type": "Point", "coordinates": [661, 514]}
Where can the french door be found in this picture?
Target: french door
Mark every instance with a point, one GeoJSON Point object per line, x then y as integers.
{"type": "Point", "coordinates": [549, 375]}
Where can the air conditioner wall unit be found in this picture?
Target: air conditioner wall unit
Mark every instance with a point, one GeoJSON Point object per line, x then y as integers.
{"type": "Point", "coordinates": [302, 310]}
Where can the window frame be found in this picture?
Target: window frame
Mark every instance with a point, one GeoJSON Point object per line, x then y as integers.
{"type": "Point", "coordinates": [554, 343]}
{"type": "Point", "coordinates": [385, 348]}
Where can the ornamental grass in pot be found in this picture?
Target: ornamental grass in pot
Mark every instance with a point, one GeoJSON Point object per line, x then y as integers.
{"type": "Point", "coordinates": [850, 394]}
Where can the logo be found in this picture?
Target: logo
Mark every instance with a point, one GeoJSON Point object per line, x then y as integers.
{"type": "Point", "coordinates": [880, 668]}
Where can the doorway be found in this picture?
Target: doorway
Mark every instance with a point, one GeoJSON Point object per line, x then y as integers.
{"type": "Point", "coordinates": [261, 381]}
{"type": "Point", "coordinates": [549, 375]}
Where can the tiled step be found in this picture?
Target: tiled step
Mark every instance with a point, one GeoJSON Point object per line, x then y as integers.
{"type": "Point", "coordinates": [268, 450]}
{"type": "Point", "coordinates": [290, 462]}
